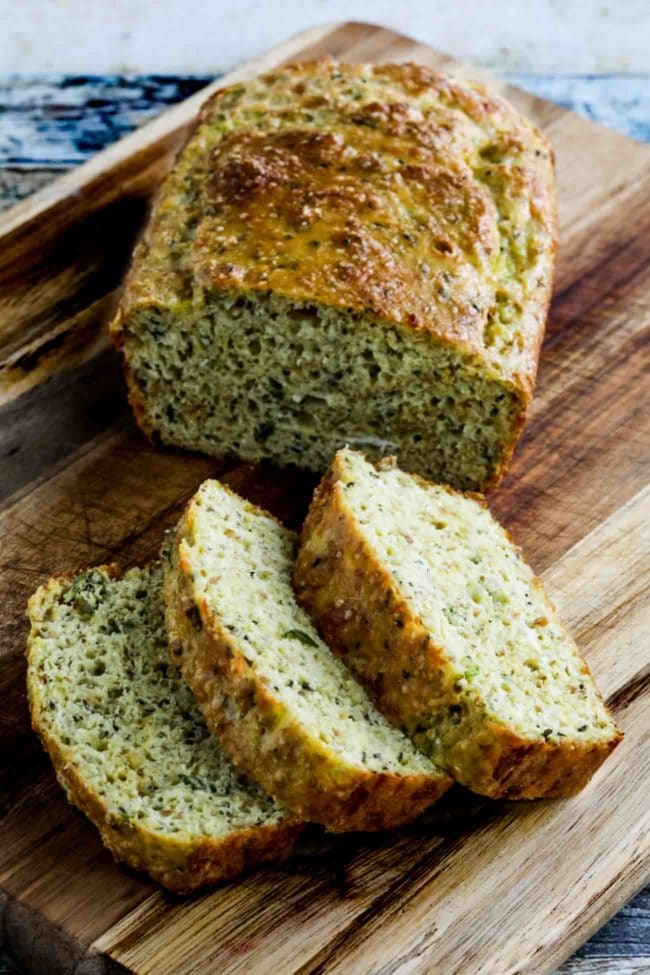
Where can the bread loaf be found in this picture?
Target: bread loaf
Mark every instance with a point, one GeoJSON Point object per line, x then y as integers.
{"type": "Point", "coordinates": [424, 596]}
{"type": "Point", "coordinates": [346, 254]}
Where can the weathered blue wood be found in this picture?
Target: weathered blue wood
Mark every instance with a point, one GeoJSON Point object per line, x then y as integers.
{"type": "Point", "coordinates": [621, 102]}
{"type": "Point", "coordinates": [52, 122]}
{"type": "Point", "coordinates": [626, 935]}
{"type": "Point", "coordinates": [60, 121]}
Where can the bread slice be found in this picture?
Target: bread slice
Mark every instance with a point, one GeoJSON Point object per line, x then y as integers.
{"type": "Point", "coordinates": [127, 741]}
{"type": "Point", "coordinates": [287, 711]}
{"type": "Point", "coordinates": [342, 254]}
{"type": "Point", "coordinates": [427, 600]}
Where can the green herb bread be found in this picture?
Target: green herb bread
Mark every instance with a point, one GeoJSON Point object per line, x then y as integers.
{"type": "Point", "coordinates": [427, 600]}
{"type": "Point", "coordinates": [127, 741]}
{"type": "Point", "coordinates": [287, 711]}
{"type": "Point", "coordinates": [346, 254]}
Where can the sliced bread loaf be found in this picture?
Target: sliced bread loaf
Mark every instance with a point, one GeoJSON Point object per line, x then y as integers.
{"type": "Point", "coordinates": [127, 741]}
{"type": "Point", "coordinates": [427, 600]}
{"type": "Point", "coordinates": [288, 712]}
{"type": "Point", "coordinates": [346, 253]}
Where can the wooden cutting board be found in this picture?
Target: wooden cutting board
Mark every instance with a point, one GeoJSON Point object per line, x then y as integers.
{"type": "Point", "coordinates": [475, 886]}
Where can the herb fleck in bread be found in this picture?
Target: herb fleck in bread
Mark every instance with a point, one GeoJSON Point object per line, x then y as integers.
{"type": "Point", "coordinates": [424, 596]}
{"type": "Point", "coordinates": [127, 741]}
{"type": "Point", "coordinates": [346, 254]}
{"type": "Point", "coordinates": [287, 711]}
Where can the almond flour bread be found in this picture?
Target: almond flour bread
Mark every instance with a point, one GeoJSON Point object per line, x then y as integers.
{"type": "Point", "coordinates": [427, 600]}
{"type": "Point", "coordinates": [127, 740]}
{"type": "Point", "coordinates": [346, 254]}
{"type": "Point", "coordinates": [287, 711]}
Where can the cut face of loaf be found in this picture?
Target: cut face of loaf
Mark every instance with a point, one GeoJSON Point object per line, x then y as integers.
{"type": "Point", "coordinates": [287, 711]}
{"type": "Point", "coordinates": [427, 600]}
{"type": "Point", "coordinates": [346, 254]}
{"type": "Point", "coordinates": [127, 741]}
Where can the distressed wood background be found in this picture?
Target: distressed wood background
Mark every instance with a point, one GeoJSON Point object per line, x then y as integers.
{"type": "Point", "coordinates": [49, 123]}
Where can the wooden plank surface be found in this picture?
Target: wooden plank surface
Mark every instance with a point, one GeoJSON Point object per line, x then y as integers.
{"type": "Point", "coordinates": [474, 886]}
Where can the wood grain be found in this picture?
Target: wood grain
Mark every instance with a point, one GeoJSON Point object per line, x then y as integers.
{"type": "Point", "coordinates": [473, 886]}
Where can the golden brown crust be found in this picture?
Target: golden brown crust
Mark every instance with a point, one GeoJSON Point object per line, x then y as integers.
{"type": "Point", "coordinates": [300, 208]}
{"type": "Point", "coordinates": [365, 620]}
{"type": "Point", "coordinates": [180, 865]}
{"type": "Point", "coordinates": [390, 191]}
{"type": "Point", "coordinates": [269, 745]}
